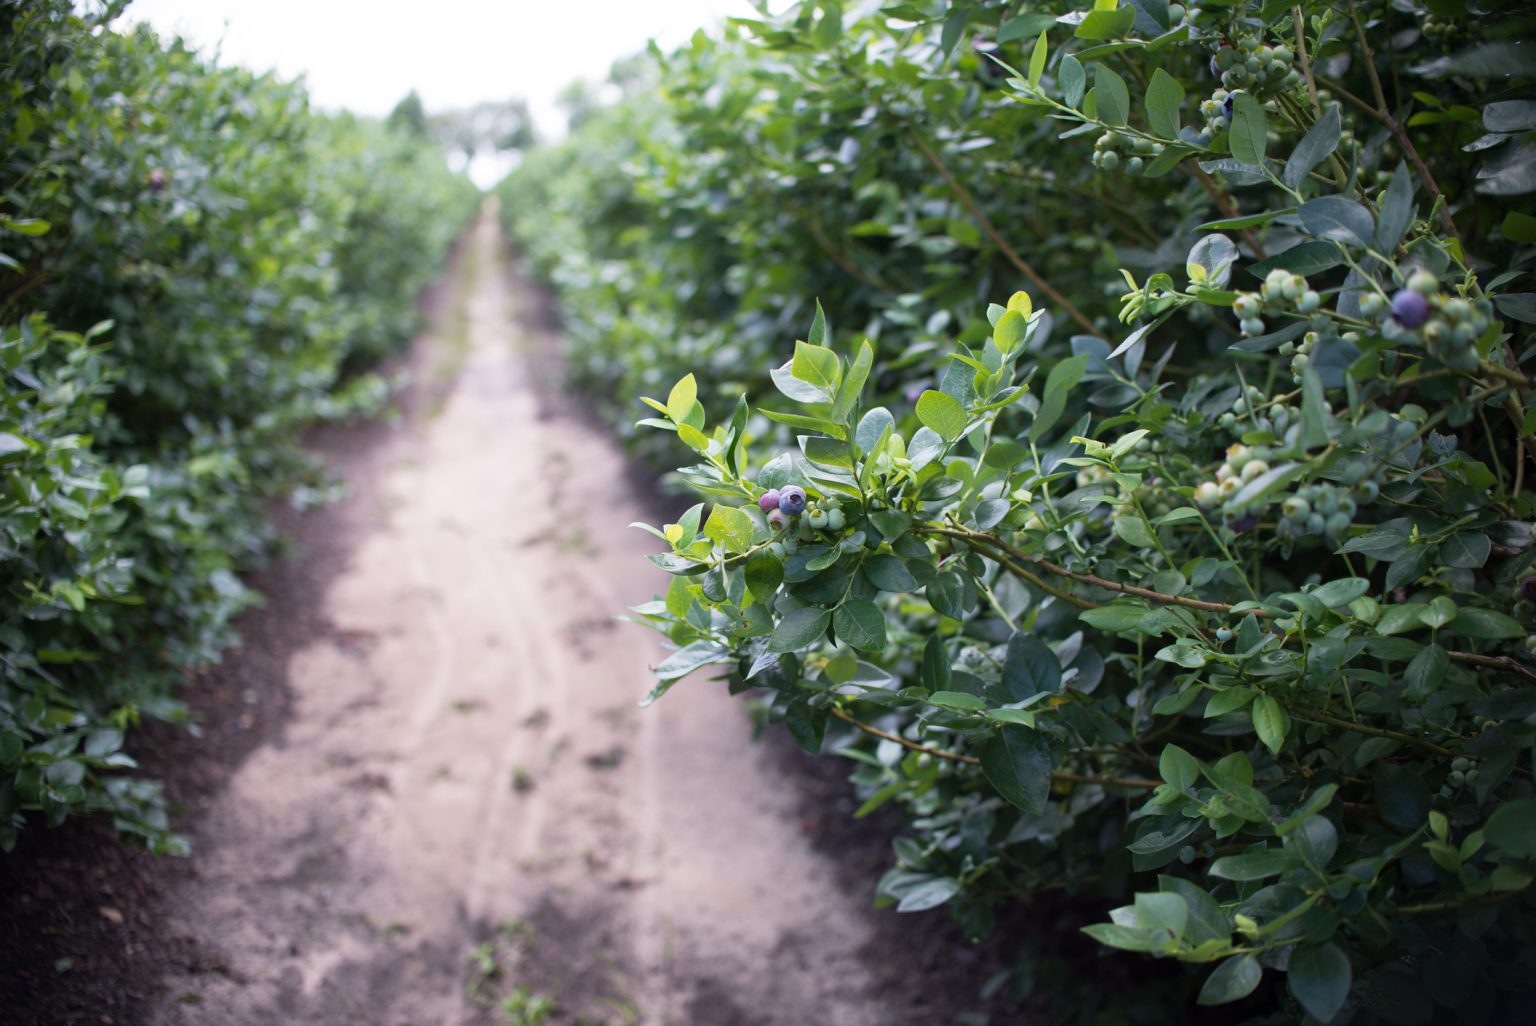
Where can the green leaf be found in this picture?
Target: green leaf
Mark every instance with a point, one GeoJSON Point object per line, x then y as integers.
{"type": "Point", "coordinates": [1029, 668]}
{"type": "Point", "coordinates": [1487, 624]}
{"type": "Point", "coordinates": [942, 414]}
{"type": "Point", "coordinates": [807, 723]}
{"type": "Point", "coordinates": [1318, 978]}
{"type": "Point", "coordinates": [1338, 220]}
{"type": "Point", "coordinates": [853, 382]}
{"type": "Point", "coordinates": [1339, 593]}
{"type": "Point", "coordinates": [1248, 134]}
{"type": "Point", "coordinates": [764, 574]}
{"type": "Point", "coordinates": [945, 593]}
{"type": "Point", "coordinates": [1271, 722]}
{"type": "Point", "coordinates": [1017, 762]}
{"type": "Point", "coordinates": [731, 527]}
{"type": "Point", "coordinates": [936, 672]}
{"type": "Point", "coordinates": [1255, 865]}
{"type": "Point", "coordinates": [1009, 331]}
{"type": "Point", "coordinates": [860, 623]}
{"type": "Point", "coordinates": [958, 700]}
{"type": "Point", "coordinates": [889, 573]}
{"type": "Point", "coordinates": [1058, 385]}
{"type": "Point", "coordinates": [1037, 59]}
{"type": "Point", "coordinates": [929, 894]}
{"type": "Point", "coordinates": [1266, 484]}
{"type": "Point", "coordinates": [1395, 213]}
{"type": "Point", "coordinates": [818, 333]}
{"type": "Point", "coordinates": [1126, 938]}
{"type": "Point", "coordinates": [1072, 79]}
{"type": "Point", "coordinates": [1233, 980]}
{"type": "Point", "coordinates": [1178, 768]}
{"type": "Point", "coordinates": [1101, 24]}
{"type": "Point", "coordinates": [1111, 94]}
{"type": "Point", "coordinates": [799, 629]}
{"type": "Point", "coordinates": [1306, 258]}
{"type": "Point", "coordinates": [1512, 828]}
{"type": "Point", "coordinates": [817, 366]}
{"type": "Point", "coordinates": [681, 399]}
{"type": "Point", "coordinates": [1519, 227]}
{"type": "Point", "coordinates": [1164, 95]}
{"type": "Point", "coordinates": [1321, 140]}
{"type": "Point", "coordinates": [1402, 796]}
{"type": "Point", "coordinates": [689, 658]}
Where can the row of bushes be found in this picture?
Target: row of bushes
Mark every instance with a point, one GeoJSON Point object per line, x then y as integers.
{"type": "Point", "coordinates": [1192, 575]}
{"type": "Point", "coordinates": [196, 266]}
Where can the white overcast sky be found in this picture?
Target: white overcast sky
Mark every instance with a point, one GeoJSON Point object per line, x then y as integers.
{"type": "Point", "coordinates": [364, 55]}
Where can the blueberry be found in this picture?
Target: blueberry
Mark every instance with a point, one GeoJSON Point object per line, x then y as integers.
{"type": "Point", "coordinates": [1528, 588]}
{"type": "Point", "coordinates": [1215, 71]}
{"type": "Point", "coordinates": [792, 500]}
{"type": "Point", "coordinates": [1226, 106]}
{"type": "Point", "coordinates": [1409, 308]}
{"type": "Point", "coordinates": [818, 518]}
{"type": "Point", "coordinates": [769, 501]}
{"type": "Point", "coordinates": [836, 520]}
{"type": "Point", "coordinates": [777, 520]}
{"type": "Point", "coordinates": [1223, 634]}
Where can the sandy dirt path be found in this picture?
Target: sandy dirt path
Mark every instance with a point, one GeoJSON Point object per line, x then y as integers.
{"type": "Point", "coordinates": [466, 800]}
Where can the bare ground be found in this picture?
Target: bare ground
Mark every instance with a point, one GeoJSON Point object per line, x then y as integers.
{"type": "Point", "coordinates": [455, 808]}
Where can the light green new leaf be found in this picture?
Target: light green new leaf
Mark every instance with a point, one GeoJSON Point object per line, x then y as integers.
{"type": "Point", "coordinates": [942, 413]}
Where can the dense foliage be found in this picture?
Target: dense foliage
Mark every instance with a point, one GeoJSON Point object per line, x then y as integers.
{"type": "Point", "coordinates": [194, 265]}
{"type": "Point", "coordinates": [1195, 579]}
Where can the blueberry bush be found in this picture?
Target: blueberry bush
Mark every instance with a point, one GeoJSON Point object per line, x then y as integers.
{"type": "Point", "coordinates": [1158, 530]}
{"type": "Point", "coordinates": [193, 267]}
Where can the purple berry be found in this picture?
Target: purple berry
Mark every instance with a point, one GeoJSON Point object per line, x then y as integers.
{"type": "Point", "coordinates": [1409, 308]}
{"type": "Point", "coordinates": [1528, 588]}
{"type": "Point", "coordinates": [1226, 106]}
{"type": "Point", "coordinates": [1215, 71]}
{"type": "Point", "coordinates": [792, 500]}
{"type": "Point", "coordinates": [777, 520]}
{"type": "Point", "coordinates": [769, 501]}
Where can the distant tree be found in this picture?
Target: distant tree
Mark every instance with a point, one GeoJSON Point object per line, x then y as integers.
{"type": "Point", "coordinates": [409, 115]}
{"type": "Point", "coordinates": [500, 125]}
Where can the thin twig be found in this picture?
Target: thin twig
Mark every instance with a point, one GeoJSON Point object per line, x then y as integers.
{"type": "Point", "coordinates": [1334, 721]}
{"type": "Point", "coordinates": [999, 546]}
{"type": "Point", "coordinates": [971, 760]}
{"type": "Point", "coordinates": [1306, 62]}
{"type": "Point", "coordinates": [969, 202]}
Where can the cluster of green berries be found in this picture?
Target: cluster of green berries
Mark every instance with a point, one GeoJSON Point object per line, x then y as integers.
{"type": "Point", "coordinates": [1322, 509]}
{"type": "Point", "coordinates": [1137, 151]}
{"type": "Point", "coordinates": [1449, 325]}
{"type": "Point", "coordinates": [1217, 112]}
{"type": "Point", "coordinates": [1463, 773]}
{"type": "Point", "coordinates": [1252, 411]}
{"type": "Point", "coordinates": [1281, 292]}
{"type": "Point", "coordinates": [796, 519]}
{"type": "Point", "coordinates": [1243, 464]}
{"type": "Point", "coordinates": [1447, 32]}
{"type": "Point", "coordinates": [1251, 64]}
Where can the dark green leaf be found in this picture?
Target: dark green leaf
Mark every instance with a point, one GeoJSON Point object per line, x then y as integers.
{"type": "Point", "coordinates": [1017, 762]}
{"type": "Point", "coordinates": [1319, 978]}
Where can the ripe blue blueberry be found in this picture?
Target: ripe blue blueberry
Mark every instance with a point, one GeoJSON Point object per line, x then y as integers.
{"type": "Point", "coordinates": [1226, 106]}
{"type": "Point", "coordinates": [1409, 308]}
{"type": "Point", "coordinates": [792, 500]}
{"type": "Point", "coordinates": [769, 500]}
